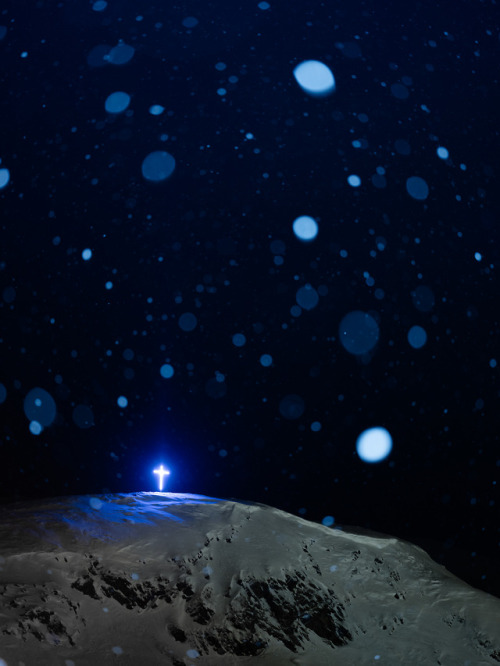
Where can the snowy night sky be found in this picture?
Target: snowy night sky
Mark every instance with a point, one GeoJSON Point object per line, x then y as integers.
{"type": "Point", "coordinates": [216, 260]}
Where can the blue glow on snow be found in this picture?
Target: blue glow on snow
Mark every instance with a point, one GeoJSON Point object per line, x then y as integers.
{"type": "Point", "coordinates": [374, 445]}
{"type": "Point", "coordinates": [305, 228]}
{"type": "Point", "coordinates": [478, 256]}
{"type": "Point", "coordinates": [157, 166]}
{"type": "Point", "coordinates": [108, 517]}
{"type": "Point", "coordinates": [162, 472]}
{"type": "Point", "coordinates": [117, 102]}
{"type": "Point", "coordinates": [86, 254]}
{"type": "Point", "coordinates": [314, 77]}
{"type": "Point", "coordinates": [122, 401]}
{"type": "Point", "coordinates": [328, 521]}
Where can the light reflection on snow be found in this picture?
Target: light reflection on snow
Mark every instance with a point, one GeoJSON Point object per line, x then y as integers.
{"type": "Point", "coordinates": [102, 517]}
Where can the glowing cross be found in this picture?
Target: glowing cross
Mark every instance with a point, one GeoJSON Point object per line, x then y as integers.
{"type": "Point", "coordinates": [161, 471]}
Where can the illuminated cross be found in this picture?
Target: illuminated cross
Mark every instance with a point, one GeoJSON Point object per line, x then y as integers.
{"type": "Point", "coordinates": [161, 471]}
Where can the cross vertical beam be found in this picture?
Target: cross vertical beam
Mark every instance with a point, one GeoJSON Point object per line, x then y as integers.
{"type": "Point", "coordinates": [161, 471]}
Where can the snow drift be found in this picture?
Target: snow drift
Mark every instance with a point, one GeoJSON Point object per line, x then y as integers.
{"type": "Point", "coordinates": [147, 579]}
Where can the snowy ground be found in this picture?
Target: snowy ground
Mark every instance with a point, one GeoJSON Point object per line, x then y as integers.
{"type": "Point", "coordinates": [147, 579]}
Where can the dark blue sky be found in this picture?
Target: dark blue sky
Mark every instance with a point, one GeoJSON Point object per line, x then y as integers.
{"type": "Point", "coordinates": [121, 297]}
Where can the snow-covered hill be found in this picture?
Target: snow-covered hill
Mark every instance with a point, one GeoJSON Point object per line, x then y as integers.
{"type": "Point", "coordinates": [152, 579]}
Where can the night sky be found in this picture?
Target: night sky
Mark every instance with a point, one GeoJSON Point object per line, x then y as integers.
{"type": "Point", "coordinates": [157, 304]}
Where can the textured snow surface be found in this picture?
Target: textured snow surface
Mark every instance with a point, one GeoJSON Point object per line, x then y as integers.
{"type": "Point", "coordinates": [148, 579]}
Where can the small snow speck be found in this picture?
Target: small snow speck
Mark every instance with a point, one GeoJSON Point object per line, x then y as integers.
{"type": "Point", "coordinates": [156, 109]}
{"type": "Point", "coordinates": [239, 340]}
{"type": "Point", "coordinates": [120, 54]}
{"type": "Point", "coordinates": [117, 102]}
{"type": "Point", "coordinates": [190, 22]}
{"type": "Point", "coordinates": [95, 503]}
{"type": "Point", "coordinates": [315, 78]}
{"type": "Point", "coordinates": [417, 188]}
{"type": "Point", "coordinates": [35, 428]}
{"type": "Point", "coordinates": [4, 177]}
{"type": "Point", "coordinates": [166, 371]}
{"type": "Point", "coordinates": [417, 337]}
{"type": "Point", "coordinates": [122, 401]}
{"type": "Point", "coordinates": [442, 153]}
{"type": "Point", "coordinates": [187, 321]}
{"type": "Point", "coordinates": [266, 360]}
{"type": "Point", "coordinates": [374, 444]}
{"type": "Point", "coordinates": [157, 166]}
{"type": "Point", "coordinates": [305, 228]}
